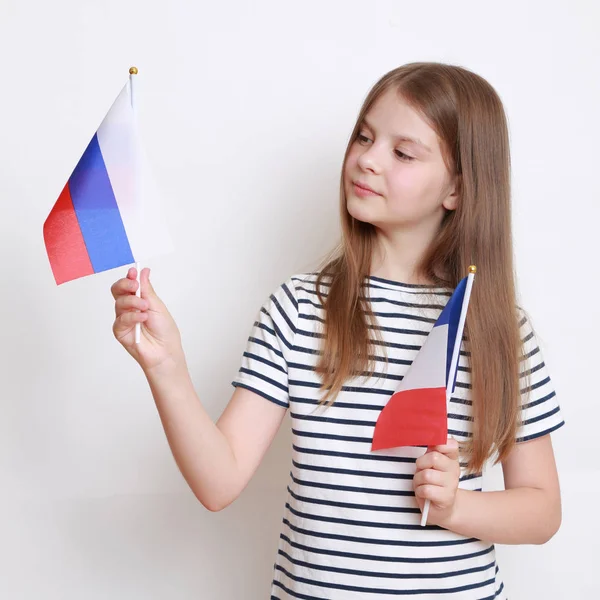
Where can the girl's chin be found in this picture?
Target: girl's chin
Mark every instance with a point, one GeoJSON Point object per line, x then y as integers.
{"type": "Point", "coordinates": [359, 208]}
{"type": "Point", "coordinates": [361, 215]}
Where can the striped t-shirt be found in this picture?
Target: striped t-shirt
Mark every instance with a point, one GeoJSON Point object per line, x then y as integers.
{"type": "Point", "coordinates": [351, 524]}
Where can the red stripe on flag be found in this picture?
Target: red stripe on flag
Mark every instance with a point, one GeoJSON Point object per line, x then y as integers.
{"type": "Point", "coordinates": [66, 249]}
{"type": "Point", "coordinates": [412, 418]}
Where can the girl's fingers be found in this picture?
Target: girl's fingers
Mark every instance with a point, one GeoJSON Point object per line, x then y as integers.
{"type": "Point", "coordinates": [128, 319]}
{"type": "Point", "coordinates": [124, 286]}
{"type": "Point", "coordinates": [435, 493]}
{"type": "Point", "coordinates": [450, 449]}
{"type": "Point", "coordinates": [129, 303]}
{"type": "Point", "coordinates": [430, 477]}
{"type": "Point", "coordinates": [436, 460]}
{"type": "Point", "coordinates": [147, 291]}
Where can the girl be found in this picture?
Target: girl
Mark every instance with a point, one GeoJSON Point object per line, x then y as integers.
{"type": "Point", "coordinates": [425, 192]}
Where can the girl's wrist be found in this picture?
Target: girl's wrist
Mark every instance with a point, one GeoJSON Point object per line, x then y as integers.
{"type": "Point", "coordinates": [173, 366]}
{"type": "Point", "coordinates": [451, 520]}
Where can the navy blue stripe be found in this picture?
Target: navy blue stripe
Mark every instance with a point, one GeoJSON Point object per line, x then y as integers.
{"type": "Point", "coordinates": [541, 417]}
{"type": "Point", "coordinates": [263, 326]}
{"type": "Point", "coordinates": [530, 354]}
{"type": "Point", "coordinates": [264, 378]}
{"type": "Point", "coordinates": [537, 367]}
{"type": "Point", "coordinates": [387, 558]}
{"type": "Point", "coordinates": [539, 401]}
{"type": "Point", "coordinates": [283, 313]}
{"type": "Point", "coordinates": [359, 473]}
{"type": "Point", "coordinates": [377, 542]}
{"type": "Point", "coordinates": [460, 417]}
{"type": "Point", "coordinates": [318, 419]}
{"type": "Point", "coordinates": [318, 452]}
{"type": "Point", "coordinates": [535, 386]}
{"type": "Point", "coordinates": [360, 456]}
{"type": "Point", "coordinates": [378, 300]}
{"type": "Point", "coordinates": [354, 523]}
{"type": "Point", "coordinates": [277, 331]}
{"type": "Point", "coordinates": [385, 315]}
{"type": "Point", "coordinates": [354, 472]}
{"type": "Point", "coordinates": [498, 591]}
{"type": "Point", "coordinates": [289, 294]}
{"type": "Point", "coordinates": [266, 345]}
{"type": "Point", "coordinates": [384, 575]}
{"type": "Point", "coordinates": [338, 404]}
{"type": "Point", "coordinates": [330, 420]}
{"type": "Point", "coordinates": [527, 337]}
{"type": "Point", "coordinates": [379, 375]}
{"type": "Point", "coordinates": [457, 433]}
{"type": "Point", "coordinates": [351, 488]}
{"type": "Point", "coordinates": [345, 388]}
{"type": "Point", "coordinates": [355, 588]}
{"type": "Point", "coordinates": [371, 285]}
{"type": "Point", "coordinates": [318, 335]}
{"type": "Point", "coordinates": [370, 507]}
{"type": "Point", "coordinates": [540, 434]}
{"type": "Point", "coordinates": [264, 361]}
{"type": "Point", "coordinates": [352, 405]}
{"type": "Point", "coordinates": [463, 401]}
{"type": "Point", "coordinates": [413, 286]}
{"type": "Point", "coordinates": [295, 594]}
{"type": "Point", "coordinates": [330, 436]}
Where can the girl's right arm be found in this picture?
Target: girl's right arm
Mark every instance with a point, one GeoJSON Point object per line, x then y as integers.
{"type": "Point", "coordinates": [216, 460]}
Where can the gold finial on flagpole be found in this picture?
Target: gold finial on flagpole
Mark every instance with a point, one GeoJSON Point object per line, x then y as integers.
{"type": "Point", "coordinates": [473, 269]}
{"type": "Point", "coordinates": [133, 71]}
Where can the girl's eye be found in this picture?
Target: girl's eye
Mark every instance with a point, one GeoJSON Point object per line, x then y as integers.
{"type": "Point", "coordinates": [362, 138]}
{"type": "Point", "coordinates": [403, 156]}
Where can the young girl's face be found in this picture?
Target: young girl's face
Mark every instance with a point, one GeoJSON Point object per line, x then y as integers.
{"type": "Point", "coordinates": [409, 181]}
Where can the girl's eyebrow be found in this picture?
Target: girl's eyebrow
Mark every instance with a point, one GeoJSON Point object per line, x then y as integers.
{"type": "Point", "coordinates": [403, 138]}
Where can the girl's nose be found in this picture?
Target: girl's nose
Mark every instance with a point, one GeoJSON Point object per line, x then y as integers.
{"type": "Point", "coordinates": [369, 161]}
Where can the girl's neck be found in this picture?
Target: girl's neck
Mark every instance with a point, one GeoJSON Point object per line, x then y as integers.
{"type": "Point", "coordinates": [397, 258]}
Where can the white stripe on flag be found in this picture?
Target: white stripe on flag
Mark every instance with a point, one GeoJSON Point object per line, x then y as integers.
{"type": "Point", "coordinates": [428, 370]}
{"type": "Point", "coordinates": [131, 180]}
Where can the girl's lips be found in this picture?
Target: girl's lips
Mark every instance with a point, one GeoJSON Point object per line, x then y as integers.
{"type": "Point", "coordinates": [363, 191]}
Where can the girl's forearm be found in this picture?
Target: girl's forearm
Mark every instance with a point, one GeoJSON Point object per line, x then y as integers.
{"type": "Point", "coordinates": [514, 516]}
{"type": "Point", "coordinates": [201, 450]}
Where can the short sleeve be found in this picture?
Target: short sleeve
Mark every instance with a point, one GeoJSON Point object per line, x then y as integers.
{"type": "Point", "coordinates": [540, 411]}
{"type": "Point", "coordinates": [264, 365]}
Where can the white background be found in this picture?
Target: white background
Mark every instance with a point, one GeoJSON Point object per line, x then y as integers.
{"type": "Point", "coordinates": [246, 108]}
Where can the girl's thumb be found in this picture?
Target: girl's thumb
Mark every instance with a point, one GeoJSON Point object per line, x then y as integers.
{"type": "Point", "coordinates": [147, 291]}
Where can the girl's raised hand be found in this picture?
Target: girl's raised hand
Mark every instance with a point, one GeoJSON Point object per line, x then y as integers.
{"type": "Point", "coordinates": [436, 479]}
{"type": "Point", "coordinates": [160, 341]}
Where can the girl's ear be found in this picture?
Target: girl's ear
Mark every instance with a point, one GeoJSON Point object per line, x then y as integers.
{"type": "Point", "coordinates": [451, 201]}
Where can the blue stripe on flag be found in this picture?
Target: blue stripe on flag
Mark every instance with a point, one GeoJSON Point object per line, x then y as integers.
{"type": "Point", "coordinates": [450, 316]}
{"type": "Point", "coordinates": [97, 211]}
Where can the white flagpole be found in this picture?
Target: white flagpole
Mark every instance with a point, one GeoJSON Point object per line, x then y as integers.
{"type": "Point", "coordinates": [138, 328]}
{"type": "Point", "coordinates": [455, 355]}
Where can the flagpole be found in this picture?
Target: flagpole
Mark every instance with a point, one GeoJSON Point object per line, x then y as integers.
{"type": "Point", "coordinates": [455, 355]}
{"type": "Point", "coordinates": [138, 328]}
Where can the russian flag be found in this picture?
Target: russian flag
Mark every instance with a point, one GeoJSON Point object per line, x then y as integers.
{"type": "Point", "coordinates": [108, 213]}
{"type": "Point", "coordinates": [416, 414]}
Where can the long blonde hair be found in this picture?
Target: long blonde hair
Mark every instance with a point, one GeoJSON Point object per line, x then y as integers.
{"type": "Point", "coordinates": [467, 115]}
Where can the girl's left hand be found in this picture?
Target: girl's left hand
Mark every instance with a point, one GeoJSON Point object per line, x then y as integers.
{"type": "Point", "coordinates": [436, 479]}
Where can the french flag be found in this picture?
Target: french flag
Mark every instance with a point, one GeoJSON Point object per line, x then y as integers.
{"type": "Point", "coordinates": [108, 213]}
{"type": "Point", "coordinates": [416, 414]}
